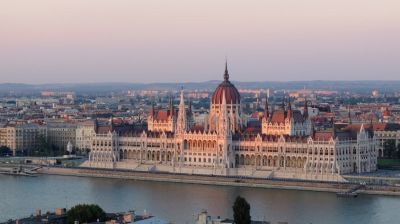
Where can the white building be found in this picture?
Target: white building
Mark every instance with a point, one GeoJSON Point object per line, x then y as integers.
{"type": "Point", "coordinates": [285, 147]}
{"type": "Point", "coordinates": [85, 131]}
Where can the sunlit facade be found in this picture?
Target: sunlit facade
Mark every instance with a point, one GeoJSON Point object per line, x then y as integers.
{"type": "Point", "coordinates": [285, 147]}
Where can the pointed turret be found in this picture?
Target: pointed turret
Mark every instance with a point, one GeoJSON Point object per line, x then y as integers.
{"type": "Point", "coordinates": [313, 131]}
{"type": "Point", "coordinates": [96, 125]}
{"type": "Point", "coordinates": [224, 119]}
{"type": "Point", "coordinates": [237, 119]}
{"type": "Point", "coordinates": [226, 74]}
{"type": "Point", "coordinates": [171, 108]}
{"type": "Point", "coordinates": [333, 127]}
{"type": "Point", "coordinates": [111, 123]}
{"type": "Point", "coordinates": [181, 123]}
{"type": "Point", "coordinates": [305, 110]}
{"type": "Point", "coordinates": [349, 116]}
{"type": "Point", "coordinates": [289, 110]}
{"type": "Point", "coordinates": [153, 111]}
{"type": "Point", "coordinates": [266, 110]}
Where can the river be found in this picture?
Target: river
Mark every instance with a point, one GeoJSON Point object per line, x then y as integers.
{"type": "Point", "coordinates": [179, 203]}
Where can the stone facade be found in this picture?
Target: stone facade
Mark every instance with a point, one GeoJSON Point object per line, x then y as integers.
{"type": "Point", "coordinates": [84, 135]}
{"type": "Point", "coordinates": [384, 132]}
{"type": "Point", "coordinates": [60, 134]}
{"type": "Point", "coordinates": [22, 137]}
{"type": "Point", "coordinates": [287, 149]}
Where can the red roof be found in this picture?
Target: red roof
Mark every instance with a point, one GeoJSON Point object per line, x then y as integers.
{"type": "Point", "coordinates": [162, 115]}
{"type": "Point", "coordinates": [278, 116]}
{"type": "Point", "coordinates": [197, 128]}
{"type": "Point", "coordinates": [386, 113]}
{"type": "Point", "coordinates": [255, 115]}
{"type": "Point", "coordinates": [232, 95]}
{"type": "Point", "coordinates": [323, 135]}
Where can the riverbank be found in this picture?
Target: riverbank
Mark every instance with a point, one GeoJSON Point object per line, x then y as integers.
{"type": "Point", "coordinates": [221, 180]}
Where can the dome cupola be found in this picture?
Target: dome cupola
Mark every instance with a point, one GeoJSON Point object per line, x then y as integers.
{"type": "Point", "coordinates": [232, 95]}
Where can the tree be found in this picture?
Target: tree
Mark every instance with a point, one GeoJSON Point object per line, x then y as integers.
{"type": "Point", "coordinates": [4, 151]}
{"type": "Point", "coordinates": [56, 151]}
{"type": "Point", "coordinates": [85, 213]}
{"type": "Point", "coordinates": [43, 147]}
{"type": "Point", "coordinates": [389, 148]}
{"type": "Point", "coordinates": [241, 211]}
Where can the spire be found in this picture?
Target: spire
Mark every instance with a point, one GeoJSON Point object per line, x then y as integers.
{"type": "Point", "coordinates": [289, 111]}
{"type": "Point", "coordinates": [224, 126]}
{"type": "Point", "coordinates": [333, 128]}
{"type": "Point", "coordinates": [305, 112]}
{"type": "Point", "coordinates": [237, 119]}
{"type": "Point", "coordinates": [226, 74]}
{"type": "Point", "coordinates": [112, 122]}
{"type": "Point", "coordinates": [313, 130]}
{"type": "Point", "coordinates": [223, 99]}
{"type": "Point", "coordinates": [266, 111]}
{"type": "Point", "coordinates": [153, 110]}
{"type": "Point", "coordinates": [349, 116]}
{"type": "Point", "coordinates": [181, 123]}
{"type": "Point", "coordinates": [96, 125]}
{"type": "Point", "coordinates": [171, 107]}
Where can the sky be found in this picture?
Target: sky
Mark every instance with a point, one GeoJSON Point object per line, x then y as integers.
{"type": "Point", "coordinates": [142, 41]}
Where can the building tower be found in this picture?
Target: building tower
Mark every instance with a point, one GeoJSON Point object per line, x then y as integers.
{"type": "Point", "coordinates": [266, 110]}
{"type": "Point", "coordinates": [227, 91]}
{"type": "Point", "coordinates": [289, 111]}
{"type": "Point", "coordinates": [181, 121]}
{"type": "Point", "coordinates": [224, 126]}
{"type": "Point", "coordinates": [305, 110]}
{"type": "Point", "coordinates": [350, 122]}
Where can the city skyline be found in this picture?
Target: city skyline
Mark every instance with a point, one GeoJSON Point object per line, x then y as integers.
{"type": "Point", "coordinates": [233, 112]}
{"type": "Point", "coordinates": [155, 41]}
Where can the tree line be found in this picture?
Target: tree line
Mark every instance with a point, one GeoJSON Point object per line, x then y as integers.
{"type": "Point", "coordinates": [391, 150]}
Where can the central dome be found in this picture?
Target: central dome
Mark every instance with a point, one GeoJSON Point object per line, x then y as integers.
{"type": "Point", "coordinates": [232, 95]}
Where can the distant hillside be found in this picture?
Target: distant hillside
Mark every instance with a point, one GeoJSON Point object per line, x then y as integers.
{"type": "Point", "coordinates": [358, 86]}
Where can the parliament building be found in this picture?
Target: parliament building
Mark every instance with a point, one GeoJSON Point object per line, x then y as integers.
{"type": "Point", "coordinates": [286, 145]}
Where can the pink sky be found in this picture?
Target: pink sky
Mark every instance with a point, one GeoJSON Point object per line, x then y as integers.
{"type": "Point", "coordinates": [45, 41]}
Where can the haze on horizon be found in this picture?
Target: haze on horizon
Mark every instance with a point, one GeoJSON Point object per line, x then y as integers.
{"type": "Point", "coordinates": [75, 41]}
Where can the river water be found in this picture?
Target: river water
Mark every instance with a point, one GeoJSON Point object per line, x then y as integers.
{"type": "Point", "coordinates": [179, 203]}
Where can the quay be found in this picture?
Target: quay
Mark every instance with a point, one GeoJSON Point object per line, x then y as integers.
{"type": "Point", "coordinates": [340, 188]}
{"type": "Point", "coordinates": [351, 193]}
{"type": "Point", "coordinates": [287, 184]}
